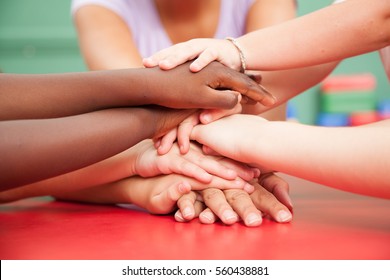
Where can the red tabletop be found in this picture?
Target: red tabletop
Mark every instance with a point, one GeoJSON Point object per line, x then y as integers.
{"type": "Point", "coordinates": [327, 224]}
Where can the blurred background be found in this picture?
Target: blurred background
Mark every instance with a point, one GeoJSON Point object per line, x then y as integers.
{"type": "Point", "coordinates": [38, 37]}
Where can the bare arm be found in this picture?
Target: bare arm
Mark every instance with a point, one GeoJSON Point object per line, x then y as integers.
{"type": "Point", "coordinates": [284, 84]}
{"type": "Point", "coordinates": [33, 150]}
{"type": "Point", "coordinates": [354, 159]}
{"type": "Point", "coordinates": [262, 14]}
{"type": "Point", "coordinates": [327, 35]}
{"type": "Point", "coordinates": [333, 33]}
{"type": "Point", "coordinates": [59, 95]}
{"type": "Point", "coordinates": [115, 48]}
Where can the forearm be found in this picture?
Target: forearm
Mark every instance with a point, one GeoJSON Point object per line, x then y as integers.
{"type": "Point", "coordinates": [285, 84]}
{"type": "Point", "coordinates": [330, 34]}
{"type": "Point", "coordinates": [112, 193]}
{"type": "Point", "coordinates": [104, 172]}
{"type": "Point", "coordinates": [354, 159]}
{"type": "Point", "coordinates": [58, 95]}
{"type": "Point", "coordinates": [34, 150]}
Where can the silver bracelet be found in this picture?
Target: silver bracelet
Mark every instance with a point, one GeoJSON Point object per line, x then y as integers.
{"type": "Point", "coordinates": [240, 52]}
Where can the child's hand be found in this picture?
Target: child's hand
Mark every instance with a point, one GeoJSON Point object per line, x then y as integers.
{"type": "Point", "coordinates": [204, 50]}
{"type": "Point", "coordinates": [233, 136]}
{"type": "Point", "coordinates": [269, 198]}
{"type": "Point", "coordinates": [215, 87]}
{"type": "Point", "coordinates": [183, 131]}
{"type": "Point", "coordinates": [159, 195]}
{"type": "Point", "coordinates": [193, 164]}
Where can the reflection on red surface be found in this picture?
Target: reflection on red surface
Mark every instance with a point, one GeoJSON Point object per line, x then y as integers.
{"type": "Point", "coordinates": [328, 224]}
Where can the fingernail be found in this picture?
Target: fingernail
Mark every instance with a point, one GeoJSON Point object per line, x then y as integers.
{"type": "Point", "coordinates": [289, 201]}
{"type": "Point", "coordinates": [187, 212]}
{"type": "Point", "coordinates": [231, 174]}
{"type": "Point", "coordinates": [249, 188]}
{"type": "Point", "coordinates": [209, 217]}
{"type": "Point", "coordinates": [256, 172]}
{"type": "Point", "coordinates": [179, 217]}
{"type": "Point", "coordinates": [238, 182]}
{"type": "Point", "coordinates": [229, 215]}
{"type": "Point", "coordinates": [253, 219]}
{"type": "Point", "coordinates": [183, 188]}
{"type": "Point", "coordinates": [205, 177]}
{"type": "Point", "coordinates": [284, 216]}
{"type": "Point", "coordinates": [205, 118]}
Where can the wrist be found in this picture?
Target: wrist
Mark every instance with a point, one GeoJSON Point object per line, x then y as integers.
{"type": "Point", "coordinates": [245, 45]}
{"type": "Point", "coordinates": [240, 51]}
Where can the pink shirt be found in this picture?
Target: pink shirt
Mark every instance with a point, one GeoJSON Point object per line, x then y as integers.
{"type": "Point", "coordinates": [149, 35]}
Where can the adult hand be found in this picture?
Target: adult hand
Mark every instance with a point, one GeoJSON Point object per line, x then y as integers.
{"type": "Point", "coordinates": [269, 198]}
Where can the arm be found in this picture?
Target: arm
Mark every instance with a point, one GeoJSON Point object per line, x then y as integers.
{"type": "Point", "coordinates": [284, 84]}
{"type": "Point", "coordinates": [33, 150]}
{"type": "Point", "coordinates": [353, 27]}
{"type": "Point", "coordinates": [59, 95]}
{"type": "Point", "coordinates": [262, 14]}
{"type": "Point", "coordinates": [157, 194]}
{"type": "Point", "coordinates": [141, 160]}
{"type": "Point", "coordinates": [116, 48]}
{"type": "Point", "coordinates": [354, 159]}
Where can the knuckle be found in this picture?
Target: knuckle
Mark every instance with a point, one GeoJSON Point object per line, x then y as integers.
{"type": "Point", "coordinates": [235, 196]}
{"type": "Point", "coordinates": [263, 196]}
{"type": "Point", "coordinates": [211, 53]}
{"type": "Point", "coordinates": [211, 194]}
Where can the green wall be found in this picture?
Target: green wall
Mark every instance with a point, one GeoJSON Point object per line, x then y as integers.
{"type": "Point", "coordinates": [307, 104]}
{"type": "Point", "coordinates": [37, 36]}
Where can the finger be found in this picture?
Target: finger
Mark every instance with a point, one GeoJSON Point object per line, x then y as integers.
{"type": "Point", "coordinates": [210, 115]}
{"type": "Point", "coordinates": [242, 170]}
{"type": "Point", "coordinates": [278, 187]}
{"type": "Point", "coordinates": [202, 166]}
{"type": "Point", "coordinates": [186, 205]}
{"type": "Point", "coordinates": [207, 217]}
{"type": "Point", "coordinates": [216, 201]}
{"type": "Point", "coordinates": [268, 204]}
{"type": "Point", "coordinates": [157, 142]}
{"type": "Point", "coordinates": [223, 184]}
{"type": "Point", "coordinates": [165, 201]}
{"type": "Point", "coordinates": [214, 165]}
{"type": "Point", "coordinates": [155, 59]}
{"type": "Point", "coordinates": [208, 151]}
{"type": "Point", "coordinates": [178, 54]}
{"type": "Point", "coordinates": [166, 142]}
{"type": "Point", "coordinates": [204, 58]}
{"type": "Point", "coordinates": [184, 131]}
{"type": "Point", "coordinates": [247, 101]}
{"type": "Point", "coordinates": [248, 87]}
{"type": "Point", "coordinates": [254, 76]}
{"type": "Point", "coordinates": [191, 170]}
{"type": "Point", "coordinates": [244, 207]}
{"type": "Point", "coordinates": [149, 62]}
{"type": "Point", "coordinates": [198, 207]}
